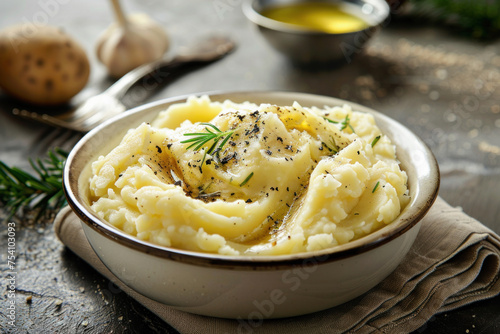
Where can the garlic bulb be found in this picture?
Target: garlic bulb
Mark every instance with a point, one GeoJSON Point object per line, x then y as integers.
{"type": "Point", "coordinates": [130, 42]}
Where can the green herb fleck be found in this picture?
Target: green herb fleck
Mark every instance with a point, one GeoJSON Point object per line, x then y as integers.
{"type": "Point", "coordinates": [375, 140]}
{"type": "Point", "coordinates": [331, 121]}
{"type": "Point", "coordinates": [245, 181]}
{"type": "Point", "coordinates": [376, 186]}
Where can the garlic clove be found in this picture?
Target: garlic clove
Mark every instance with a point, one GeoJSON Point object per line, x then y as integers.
{"type": "Point", "coordinates": [123, 47]}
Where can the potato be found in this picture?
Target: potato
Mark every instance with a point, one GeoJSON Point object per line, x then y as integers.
{"type": "Point", "coordinates": [41, 64]}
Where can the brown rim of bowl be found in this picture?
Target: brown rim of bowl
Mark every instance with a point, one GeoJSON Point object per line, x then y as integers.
{"type": "Point", "coordinates": [257, 18]}
{"type": "Point", "coordinates": [243, 262]}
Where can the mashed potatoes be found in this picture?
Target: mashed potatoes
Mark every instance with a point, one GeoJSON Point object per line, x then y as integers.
{"type": "Point", "coordinates": [246, 179]}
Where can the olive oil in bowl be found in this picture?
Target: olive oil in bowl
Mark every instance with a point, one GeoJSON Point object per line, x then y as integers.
{"type": "Point", "coordinates": [316, 16]}
{"type": "Point", "coordinates": [317, 33]}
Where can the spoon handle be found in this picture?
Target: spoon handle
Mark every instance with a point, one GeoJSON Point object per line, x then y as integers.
{"type": "Point", "coordinates": [208, 50]}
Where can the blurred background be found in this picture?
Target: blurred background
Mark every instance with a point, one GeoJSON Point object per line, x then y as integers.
{"type": "Point", "coordinates": [434, 66]}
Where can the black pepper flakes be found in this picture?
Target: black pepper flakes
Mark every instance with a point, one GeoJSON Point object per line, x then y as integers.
{"type": "Point", "coordinates": [255, 129]}
{"type": "Point", "coordinates": [228, 158]}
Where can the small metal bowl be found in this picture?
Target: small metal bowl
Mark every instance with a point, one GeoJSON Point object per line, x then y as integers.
{"type": "Point", "coordinates": [310, 47]}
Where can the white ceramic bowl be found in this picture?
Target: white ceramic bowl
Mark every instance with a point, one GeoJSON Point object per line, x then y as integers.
{"type": "Point", "coordinates": [252, 287]}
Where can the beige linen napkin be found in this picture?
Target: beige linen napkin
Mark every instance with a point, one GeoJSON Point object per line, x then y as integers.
{"type": "Point", "coordinates": [454, 261]}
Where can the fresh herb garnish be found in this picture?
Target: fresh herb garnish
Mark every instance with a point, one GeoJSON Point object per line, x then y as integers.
{"type": "Point", "coordinates": [346, 123]}
{"type": "Point", "coordinates": [201, 138]}
{"type": "Point", "coordinates": [343, 125]}
{"type": "Point", "coordinates": [375, 140]}
{"type": "Point", "coordinates": [43, 192]}
{"type": "Point", "coordinates": [246, 179]}
{"type": "Point", "coordinates": [376, 186]}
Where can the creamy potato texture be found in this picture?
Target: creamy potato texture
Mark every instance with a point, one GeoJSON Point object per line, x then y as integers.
{"type": "Point", "coordinates": [280, 179]}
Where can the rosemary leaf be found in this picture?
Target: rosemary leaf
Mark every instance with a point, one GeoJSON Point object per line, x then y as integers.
{"type": "Point", "coordinates": [42, 191]}
{"type": "Point", "coordinates": [331, 121]}
{"type": "Point", "coordinates": [245, 181]}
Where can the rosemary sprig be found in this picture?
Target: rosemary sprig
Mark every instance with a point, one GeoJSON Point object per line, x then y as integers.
{"type": "Point", "coordinates": [344, 124]}
{"type": "Point", "coordinates": [42, 192]}
{"type": "Point", "coordinates": [200, 139]}
{"type": "Point", "coordinates": [376, 186]}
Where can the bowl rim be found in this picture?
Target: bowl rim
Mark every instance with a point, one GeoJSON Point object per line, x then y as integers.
{"type": "Point", "coordinates": [257, 18]}
{"type": "Point", "coordinates": [71, 175]}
